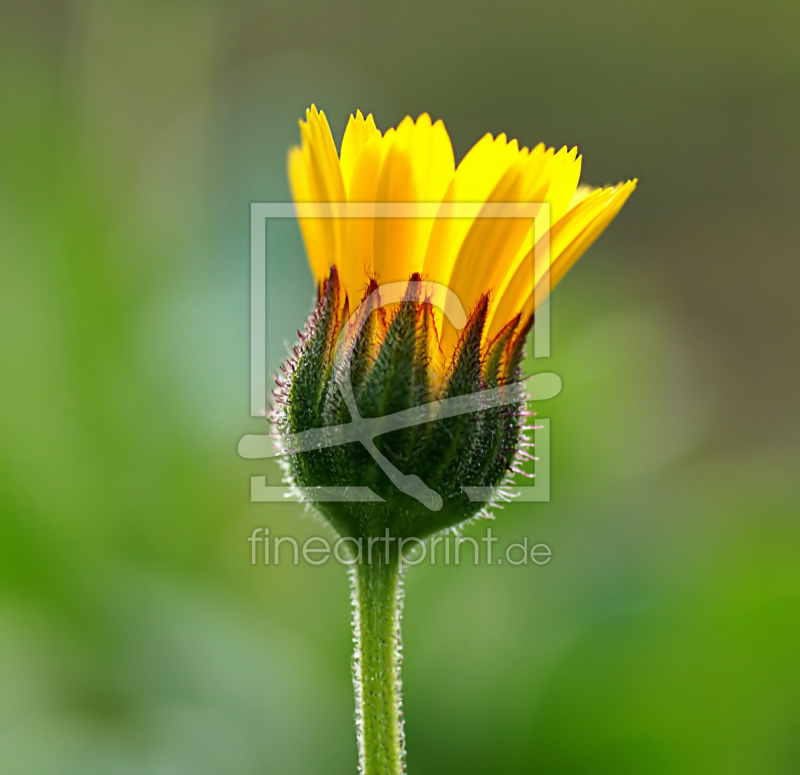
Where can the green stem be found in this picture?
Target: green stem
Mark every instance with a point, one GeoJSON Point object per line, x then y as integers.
{"type": "Point", "coordinates": [377, 603]}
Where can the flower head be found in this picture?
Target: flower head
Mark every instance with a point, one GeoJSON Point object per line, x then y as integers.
{"type": "Point", "coordinates": [490, 237]}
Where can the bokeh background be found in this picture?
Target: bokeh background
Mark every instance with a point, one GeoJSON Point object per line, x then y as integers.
{"type": "Point", "coordinates": [135, 637]}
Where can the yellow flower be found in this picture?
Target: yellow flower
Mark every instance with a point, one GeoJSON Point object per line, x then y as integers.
{"type": "Point", "coordinates": [472, 256]}
{"type": "Point", "coordinates": [401, 428]}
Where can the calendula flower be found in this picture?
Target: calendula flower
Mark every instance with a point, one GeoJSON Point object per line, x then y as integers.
{"type": "Point", "coordinates": [406, 380]}
{"type": "Point", "coordinates": [410, 353]}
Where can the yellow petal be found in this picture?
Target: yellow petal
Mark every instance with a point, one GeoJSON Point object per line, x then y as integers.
{"type": "Point", "coordinates": [555, 183]}
{"type": "Point", "coordinates": [568, 239]}
{"type": "Point", "coordinates": [497, 243]}
{"type": "Point", "coordinates": [324, 183]}
{"type": "Point", "coordinates": [494, 238]}
{"type": "Point", "coordinates": [514, 289]}
{"type": "Point", "coordinates": [564, 181]}
{"type": "Point", "coordinates": [476, 177]}
{"type": "Point", "coordinates": [567, 257]}
{"type": "Point", "coordinates": [418, 168]}
{"type": "Point", "coordinates": [487, 241]}
{"type": "Point", "coordinates": [359, 267]}
{"type": "Point", "coordinates": [319, 256]}
{"type": "Point", "coordinates": [358, 133]}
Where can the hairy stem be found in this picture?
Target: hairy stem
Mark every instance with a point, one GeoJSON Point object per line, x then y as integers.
{"type": "Point", "coordinates": [377, 603]}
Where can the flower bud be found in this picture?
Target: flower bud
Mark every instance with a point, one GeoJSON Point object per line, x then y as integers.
{"type": "Point", "coordinates": [385, 418]}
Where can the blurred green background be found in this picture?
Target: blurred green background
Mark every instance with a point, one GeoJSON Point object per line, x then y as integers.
{"type": "Point", "coordinates": [135, 637]}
